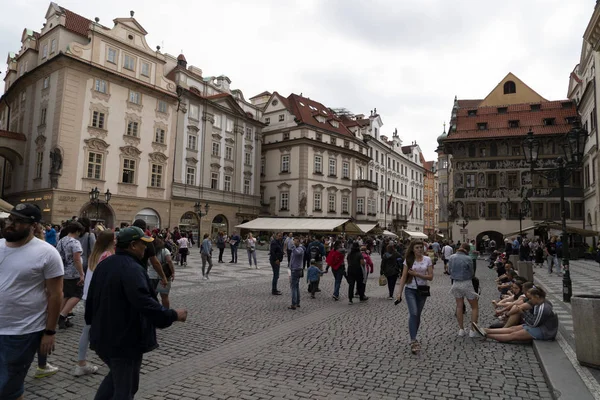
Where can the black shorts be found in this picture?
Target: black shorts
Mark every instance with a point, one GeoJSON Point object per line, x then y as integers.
{"type": "Point", "coordinates": [72, 289]}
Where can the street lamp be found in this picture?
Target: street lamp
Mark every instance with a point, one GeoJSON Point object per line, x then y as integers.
{"type": "Point", "coordinates": [95, 199]}
{"type": "Point", "coordinates": [524, 208]}
{"type": "Point", "coordinates": [463, 224]}
{"type": "Point", "coordinates": [198, 210]}
{"type": "Point", "coordinates": [573, 146]}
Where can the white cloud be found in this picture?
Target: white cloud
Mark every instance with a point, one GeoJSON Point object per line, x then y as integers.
{"type": "Point", "coordinates": [407, 58]}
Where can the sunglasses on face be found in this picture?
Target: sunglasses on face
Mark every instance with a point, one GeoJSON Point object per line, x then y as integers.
{"type": "Point", "coordinates": [17, 220]}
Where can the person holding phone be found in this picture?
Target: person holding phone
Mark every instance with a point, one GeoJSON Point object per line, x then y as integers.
{"type": "Point", "coordinates": [417, 272]}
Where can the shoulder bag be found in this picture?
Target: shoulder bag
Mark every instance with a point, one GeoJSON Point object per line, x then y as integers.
{"type": "Point", "coordinates": [165, 265]}
{"type": "Point", "coordinates": [422, 290]}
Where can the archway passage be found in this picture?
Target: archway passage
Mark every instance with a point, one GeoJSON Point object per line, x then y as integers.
{"type": "Point", "coordinates": [100, 213]}
{"type": "Point", "coordinates": [150, 216]}
{"type": "Point", "coordinates": [484, 238]}
{"type": "Point", "coordinates": [219, 224]}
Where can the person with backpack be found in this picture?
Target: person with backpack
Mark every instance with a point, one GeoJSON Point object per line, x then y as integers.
{"type": "Point", "coordinates": [390, 267]}
{"type": "Point", "coordinates": [316, 251]}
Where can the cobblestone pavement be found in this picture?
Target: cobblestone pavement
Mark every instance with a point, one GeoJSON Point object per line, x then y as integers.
{"type": "Point", "coordinates": [240, 342]}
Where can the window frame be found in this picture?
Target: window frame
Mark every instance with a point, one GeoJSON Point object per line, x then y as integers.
{"type": "Point", "coordinates": [190, 175]}
{"type": "Point", "coordinates": [318, 164]}
{"type": "Point", "coordinates": [133, 128]}
{"type": "Point", "coordinates": [228, 153]}
{"type": "Point", "coordinates": [156, 175]}
{"type": "Point", "coordinates": [132, 171]}
{"type": "Point", "coordinates": [99, 84]}
{"type": "Point", "coordinates": [227, 183]}
{"type": "Point", "coordinates": [284, 201]}
{"type": "Point", "coordinates": [39, 164]}
{"type": "Point", "coordinates": [148, 69]}
{"type": "Point", "coordinates": [194, 139]}
{"type": "Point", "coordinates": [246, 186]}
{"type": "Point", "coordinates": [115, 54]}
{"type": "Point", "coordinates": [133, 60]}
{"type": "Point", "coordinates": [135, 97]}
{"type": "Point", "coordinates": [98, 166]}
{"type": "Point", "coordinates": [98, 119]}
{"type": "Point", "coordinates": [345, 170]}
{"type": "Point", "coordinates": [285, 163]}
{"type": "Point", "coordinates": [331, 202]}
{"type": "Point", "coordinates": [214, 180]}
{"type": "Point", "coordinates": [332, 167]}
{"type": "Point", "coordinates": [216, 149]}
{"type": "Point", "coordinates": [317, 201]}
{"type": "Point", "coordinates": [163, 135]}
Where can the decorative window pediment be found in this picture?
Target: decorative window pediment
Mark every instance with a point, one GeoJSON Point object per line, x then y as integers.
{"type": "Point", "coordinates": [229, 140]}
{"type": "Point", "coordinates": [130, 151]}
{"type": "Point", "coordinates": [191, 160]}
{"type": "Point", "coordinates": [228, 169]}
{"type": "Point", "coordinates": [346, 191]}
{"type": "Point", "coordinates": [216, 136]}
{"type": "Point", "coordinates": [206, 116]}
{"type": "Point", "coordinates": [249, 147]}
{"type": "Point", "coordinates": [285, 150]}
{"type": "Point", "coordinates": [332, 189]}
{"type": "Point", "coordinates": [96, 144]}
{"type": "Point", "coordinates": [284, 186]}
{"type": "Point", "coordinates": [159, 158]}
{"type": "Point", "coordinates": [193, 129]}
{"type": "Point", "coordinates": [248, 173]}
{"type": "Point", "coordinates": [318, 187]}
{"type": "Point", "coordinates": [215, 166]}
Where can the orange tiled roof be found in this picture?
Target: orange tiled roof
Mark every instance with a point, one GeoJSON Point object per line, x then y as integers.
{"type": "Point", "coordinates": [307, 115]}
{"type": "Point", "coordinates": [469, 103]}
{"type": "Point", "coordinates": [498, 124]}
{"type": "Point", "coordinates": [12, 135]}
{"type": "Point", "coordinates": [76, 23]}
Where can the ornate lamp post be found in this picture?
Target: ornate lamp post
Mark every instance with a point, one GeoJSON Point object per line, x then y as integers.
{"type": "Point", "coordinates": [95, 199]}
{"type": "Point", "coordinates": [524, 208]}
{"type": "Point", "coordinates": [463, 224]}
{"type": "Point", "coordinates": [573, 146]}
{"type": "Point", "coordinates": [198, 210]}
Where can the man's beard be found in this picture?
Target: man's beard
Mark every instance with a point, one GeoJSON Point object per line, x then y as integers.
{"type": "Point", "coordinates": [12, 235]}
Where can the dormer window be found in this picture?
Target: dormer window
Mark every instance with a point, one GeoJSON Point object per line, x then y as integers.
{"type": "Point", "coordinates": [321, 118]}
{"type": "Point", "coordinates": [513, 124]}
{"type": "Point", "coordinates": [312, 108]}
{"type": "Point", "coordinates": [335, 124]}
{"type": "Point", "coordinates": [510, 87]}
{"type": "Point", "coordinates": [319, 137]}
{"type": "Point", "coordinates": [482, 126]}
{"type": "Point", "coordinates": [502, 110]}
{"type": "Point", "coordinates": [549, 121]}
{"type": "Point", "coordinates": [567, 104]}
{"type": "Point", "coordinates": [472, 113]}
{"type": "Point", "coordinates": [536, 107]}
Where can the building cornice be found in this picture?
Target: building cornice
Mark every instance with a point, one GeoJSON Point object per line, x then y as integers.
{"type": "Point", "coordinates": [314, 143]}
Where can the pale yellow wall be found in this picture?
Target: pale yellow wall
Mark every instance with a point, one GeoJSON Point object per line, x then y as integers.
{"type": "Point", "coordinates": [524, 94]}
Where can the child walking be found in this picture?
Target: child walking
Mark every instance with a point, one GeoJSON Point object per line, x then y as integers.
{"type": "Point", "coordinates": [312, 277]}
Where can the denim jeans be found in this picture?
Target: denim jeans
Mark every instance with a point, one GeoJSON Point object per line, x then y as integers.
{"type": "Point", "coordinates": [275, 276]}
{"type": "Point", "coordinates": [553, 260]}
{"type": "Point", "coordinates": [16, 355]}
{"type": "Point", "coordinates": [295, 286]}
{"type": "Point", "coordinates": [234, 250]}
{"type": "Point", "coordinates": [337, 275]}
{"type": "Point", "coordinates": [415, 304]}
{"type": "Point", "coordinates": [252, 255]}
{"type": "Point", "coordinates": [123, 378]}
{"type": "Point", "coordinates": [206, 259]}
{"type": "Point", "coordinates": [84, 342]}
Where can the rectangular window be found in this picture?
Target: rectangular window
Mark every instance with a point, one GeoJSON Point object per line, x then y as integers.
{"type": "Point", "coordinates": [43, 117]}
{"type": "Point", "coordinates": [576, 178]}
{"type": "Point", "coordinates": [285, 163]}
{"type": "Point", "coordinates": [318, 165]}
{"type": "Point", "coordinates": [46, 83]}
{"type": "Point", "coordinates": [513, 180]}
{"type": "Point", "coordinates": [470, 181]}
{"type": "Point", "coordinates": [216, 149]}
{"type": "Point", "coordinates": [317, 201]}
{"type": "Point", "coordinates": [228, 153]}
{"type": "Point", "coordinates": [129, 62]}
{"type": "Point", "coordinates": [332, 140]}
{"type": "Point", "coordinates": [492, 211]}
{"type": "Point", "coordinates": [94, 169]}
{"type": "Point", "coordinates": [345, 170]}
{"type": "Point", "coordinates": [39, 163]}
{"type": "Point", "coordinates": [98, 120]}
{"type": "Point", "coordinates": [513, 123]}
{"type": "Point", "coordinates": [192, 142]}
{"type": "Point", "coordinates": [193, 111]}
{"type": "Point", "coordinates": [246, 186]}
{"type": "Point", "coordinates": [227, 185]}
{"type": "Point", "coordinates": [482, 126]}
{"type": "Point", "coordinates": [281, 117]}
{"type": "Point", "coordinates": [577, 210]}
{"type": "Point", "coordinates": [145, 69]}
{"type": "Point", "coordinates": [156, 177]}
{"type": "Point", "coordinates": [162, 106]}
{"type": "Point", "coordinates": [134, 97]}
{"type": "Point", "coordinates": [319, 137]}
{"type": "Point", "coordinates": [111, 56]}
{"type": "Point", "coordinates": [100, 86]}
{"type": "Point", "coordinates": [190, 176]}
{"type": "Point", "coordinates": [332, 167]}
{"type": "Point", "coordinates": [214, 181]}
{"type": "Point", "coordinates": [267, 120]}
{"type": "Point", "coordinates": [492, 180]}
{"type": "Point", "coordinates": [345, 204]}
{"type": "Point", "coordinates": [45, 51]}
{"type": "Point", "coordinates": [53, 46]}
{"type": "Point", "coordinates": [248, 158]}
{"type": "Point", "coordinates": [248, 133]}
{"type": "Point", "coordinates": [284, 201]}
{"type": "Point", "coordinates": [217, 123]}
{"type": "Point", "coordinates": [331, 203]}
{"type": "Point", "coordinates": [286, 135]}
{"type": "Point", "coordinates": [159, 136]}
{"type": "Point", "coordinates": [554, 211]}
{"type": "Point", "coordinates": [360, 206]}
{"type": "Point", "coordinates": [229, 127]}
{"type": "Point", "coordinates": [128, 171]}
{"type": "Point", "coordinates": [262, 166]}
{"type": "Point", "coordinates": [346, 144]}
{"type": "Point", "coordinates": [132, 128]}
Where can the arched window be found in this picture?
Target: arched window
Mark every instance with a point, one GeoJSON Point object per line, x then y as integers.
{"type": "Point", "coordinates": [510, 87]}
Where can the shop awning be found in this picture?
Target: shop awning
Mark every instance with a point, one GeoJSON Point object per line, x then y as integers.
{"type": "Point", "coordinates": [556, 226]}
{"type": "Point", "coordinates": [388, 233]}
{"type": "Point", "coordinates": [302, 225]}
{"type": "Point", "coordinates": [415, 235]}
{"type": "Point", "coordinates": [5, 206]}
{"type": "Point", "coordinates": [366, 228]}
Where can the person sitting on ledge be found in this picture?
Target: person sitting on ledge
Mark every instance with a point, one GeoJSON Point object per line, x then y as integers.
{"type": "Point", "coordinates": [541, 323]}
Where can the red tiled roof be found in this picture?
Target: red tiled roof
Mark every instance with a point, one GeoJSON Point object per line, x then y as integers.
{"type": "Point", "coordinates": [307, 116]}
{"type": "Point", "coordinates": [428, 165]}
{"type": "Point", "coordinates": [13, 135]}
{"type": "Point", "coordinates": [498, 124]}
{"type": "Point", "coordinates": [421, 158]}
{"type": "Point", "coordinates": [76, 23]}
{"type": "Point", "coordinates": [355, 122]}
{"type": "Point", "coordinates": [469, 103]}
{"type": "Point", "coordinates": [265, 93]}
{"type": "Point", "coordinates": [181, 57]}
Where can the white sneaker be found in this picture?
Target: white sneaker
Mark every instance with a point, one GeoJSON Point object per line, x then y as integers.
{"type": "Point", "coordinates": [44, 372]}
{"type": "Point", "coordinates": [473, 334]}
{"type": "Point", "coordinates": [205, 277]}
{"type": "Point", "coordinates": [87, 370]}
{"type": "Point", "coordinates": [461, 332]}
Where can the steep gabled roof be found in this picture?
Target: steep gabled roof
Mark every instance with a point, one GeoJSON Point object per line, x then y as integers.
{"type": "Point", "coordinates": [76, 23]}
{"type": "Point", "coordinates": [306, 111]}
{"type": "Point", "coordinates": [265, 93]}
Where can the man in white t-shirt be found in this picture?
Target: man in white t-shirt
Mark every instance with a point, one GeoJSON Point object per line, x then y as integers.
{"type": "Point", "coordinates": [30, 297]}
{"type": "Point", "coordinates": [447, 251]}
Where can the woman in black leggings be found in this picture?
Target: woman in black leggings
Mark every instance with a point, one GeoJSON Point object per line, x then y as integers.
{"type": "Point", "coordinates": [390, 268]}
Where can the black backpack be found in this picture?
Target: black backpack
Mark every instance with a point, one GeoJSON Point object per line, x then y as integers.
{"type": "Point", "coordinates": [315, 253]}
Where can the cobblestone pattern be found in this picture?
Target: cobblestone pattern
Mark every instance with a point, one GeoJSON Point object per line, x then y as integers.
{"type": "Point", "coordinates": [242, 343]}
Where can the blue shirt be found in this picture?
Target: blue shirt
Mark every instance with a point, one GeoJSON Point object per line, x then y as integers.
{"type": "Point", "coordinates": [206, 246]}
{"type": "Point", "coordinates": [297, 260]}
{"type": "Point", "coordinates": [51, 237]}
{"type": "Point", "coordinates": [313, 273]}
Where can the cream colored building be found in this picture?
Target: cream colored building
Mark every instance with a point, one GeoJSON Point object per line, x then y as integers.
{"type": "Point", "coordinates": [312, 164]}
{"type": "Point", "coordinates": [97, 111]}
{"type": "Point", "coordinates": [217, 152]}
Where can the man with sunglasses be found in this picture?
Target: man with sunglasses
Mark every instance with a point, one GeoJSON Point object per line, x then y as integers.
{"type": "Point", "coordinates": [31, 280]}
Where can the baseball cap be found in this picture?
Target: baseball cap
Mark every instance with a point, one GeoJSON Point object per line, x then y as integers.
{"type": "Point", "coordinates": [27, 211]}
{"type": "Point", "coordinates": [131, 233]}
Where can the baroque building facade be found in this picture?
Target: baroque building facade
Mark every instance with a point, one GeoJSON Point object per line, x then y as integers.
{"type": "Point", "coordinates": [95, 111]}
{"type": "Point", "coordinates": [487, 174]}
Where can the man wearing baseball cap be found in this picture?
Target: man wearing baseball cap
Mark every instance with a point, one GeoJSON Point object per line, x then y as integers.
{"type": "Point", "coordinates": [30, 297]}
{"type": "Point", "coordinates": [123, 312]}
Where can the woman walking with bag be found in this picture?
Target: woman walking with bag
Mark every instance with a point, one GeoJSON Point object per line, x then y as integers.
{"type": "Point", "coordinates": [251, 249]}
{"type": "Point", "coordinates": [164, 258]}
{"type": "Point", "coordinates": [183, 249]}
{"type": "Point", "coordinates": [417, 271]}
{"type": "Point", "coordinates": [390, 268]}
{"type": "Point", "coordinates": [335, 260]}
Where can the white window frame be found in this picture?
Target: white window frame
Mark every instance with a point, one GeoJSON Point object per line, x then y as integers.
{"type": "Point", "coordinates": [318, 165]}
{"type": "Point", "coordinates": [317, 201]}
{"type": "Point", "coordinates": [345, 204]}
{"type": "Point", "coordinates": [285, 163]}
{"type": "Point", "coordinates": [248, 158]}
{"type": "Point", "coordinates": [162, 106]}
{"type": "Point", "coordinates": [331, 202]}
{"type": "Point", "coordinates": [53, 46]}
{"type": "Point", "coordinates": [345, 169]}
{"type": "Point", "coordinates": [190, 175]}
{"type": "Point", "coordinates": [98, 119]}
{"type": "Point", "coordinates": [360, 205]}
{"type": "Point", "coordinates": [214, 180]}
{"type": "Point", "coordinates": [249, 132]}
{"type": "Point", "coordinates": [284, 201]}
{"type": "Point", "coordinates": [114, 56]}
{"type": "Point", "coordinates": [229, 125]}
{"type": "Point", "coordinates": [135, 97]}
{"type": "Point", "coordinates": [133, 128]}
{"type": "Point", "coordinates": [160, 133]}
{"type": "Point", "coordinates": [194, 112]}
{"type": "Point", "coordinates": [101, 86]}
{"type": "Point", "coordinates": [246, 186]}
{"type": "Point", "coordinates": [227, 183]}
{"type": "Point", "coordinates": [129, 62]}
{"type": "Point", "coordinates": [192, 142]}
{"type": "Point", "coordinates": [43, 113]}
{"type": "Point", "coordinates": [156, 175]}
{"type": "Point", "coordinates": [332, 167]}
{"type": "Point", "coordinates": [217, 123]}
{"type": "Point", "coordinates": [94, 166]}
{"type": "Point", "coordinates": [46, 82]}
{"type": "Point", "coordinates": [228, 153]}
{"type": "Point", "coordinates": [216, 149]}
{"type": "Point", "coordinates": [130, 165]}
{"type": "Point", "coordinates": [281, 117]}
{"type": "Point", "coordinates": [146, 67]}
{"type": "Point", "coordinates": [45, 51]}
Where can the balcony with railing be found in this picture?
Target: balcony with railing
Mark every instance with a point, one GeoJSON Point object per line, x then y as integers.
{"type": "Point", "coordinates": [400, 218]}
{"type": "Point", "coordinates": [364, 183]}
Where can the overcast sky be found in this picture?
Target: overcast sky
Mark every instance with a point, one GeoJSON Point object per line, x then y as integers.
{"type": "Point", "coordinates": [407, 58]}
